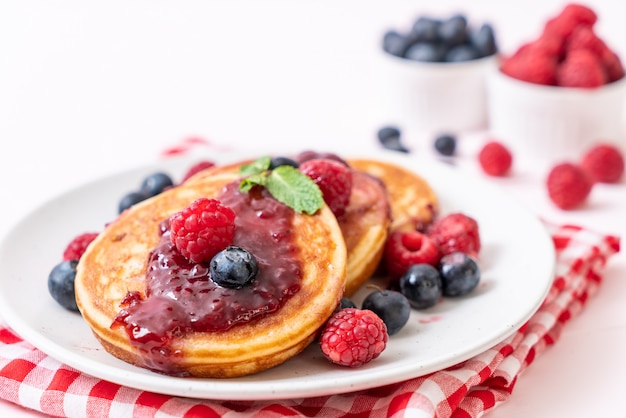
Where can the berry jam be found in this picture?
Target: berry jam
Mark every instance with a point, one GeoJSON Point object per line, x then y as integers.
{"type": "Point", "coordinates": [180, 296]}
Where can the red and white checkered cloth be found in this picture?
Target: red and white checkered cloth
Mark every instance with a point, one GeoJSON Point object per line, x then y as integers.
{"type": "Point", "coordinates": [30, 378]}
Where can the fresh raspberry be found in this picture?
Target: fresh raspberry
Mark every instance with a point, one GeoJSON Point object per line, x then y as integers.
{"type": "Point", "coordinates": [405, 248]}
{"type": "Point", "coordinates": [604, 163]}
{"type": "Point", "coordinates": [572, 16]}
{"type": "Point", "coordinates": [612, 65]}
{"type": "Point", "coordinates": [581, 68]}
{"type": "Point", "coordinates": [584, 37]}
{"type": "Point", "coordinates": [196, 168]}
{"type": "Point", "coordinates": [495, 158]}
{"type": "Point", "coordinates": [353, 337]}
{"type": "Point", "coordinates": [202, 229]}
{"type": "Point", "coordinates": [78, 245]}
{"type": "Point", "coordinates": [568, 185]}
{"type": "Point", "coordinates": [455, 232]}
{"type": "Point", "coordinates": [531, 64]}
{"type": "Point", "coordinates": [334, 180]}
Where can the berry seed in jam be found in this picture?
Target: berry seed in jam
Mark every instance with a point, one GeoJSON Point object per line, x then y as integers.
{"type": "Point", "coordinates": [181, 297]}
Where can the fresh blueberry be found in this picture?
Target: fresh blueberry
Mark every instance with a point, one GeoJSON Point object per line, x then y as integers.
{"type": "Point", "coordinates": [233, 267]}
{"type": "Point", "coordinates": [395, 43]}
{"type": "Point", "coordinates": [391, 306]}
{"type": "Point", "coordinates": [460, 274]}
{"type": "Point", "coordinates": [426, 52]}
{"type": "Point", "coordinates": [278, 161]}
{"type": "Point", "coordinates": [130, 199]}
{"type": "Point", "coordinates": [484, 40]}
{"type": "Point", "coordinates": [155, 183]}
{"type": "Point", "coordinates": [445, 144]}
{"type": "Point", "coordinates": [425, 29]}
{"type": "Point", "coordinates": [461, 53]}
{"type": "Point", "coordinates": [346, 303]}
{"type": "Point", "coordinates": [421, 284]}
{"type": "Point", "coordinates": [389, 137]}
{"type": "Point", "coordinates": [61, 284]}
{"type": "Point", "coordinates": [453, 31]}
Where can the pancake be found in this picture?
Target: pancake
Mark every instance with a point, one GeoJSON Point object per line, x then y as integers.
{"type": "Point", "coordinates": [114, 266]}
{"type": "Point", "coordinates": [413, 202]}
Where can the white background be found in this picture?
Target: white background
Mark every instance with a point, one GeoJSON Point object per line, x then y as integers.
{"type": "Point", "coordinates": [90, 88]}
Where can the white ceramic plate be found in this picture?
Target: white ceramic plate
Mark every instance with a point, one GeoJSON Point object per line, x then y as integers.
{"type": "Point", "coordinates": [517, 262]}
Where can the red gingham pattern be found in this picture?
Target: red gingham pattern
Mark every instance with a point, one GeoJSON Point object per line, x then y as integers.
{"type": "Point", "coordinates": [31, 379]}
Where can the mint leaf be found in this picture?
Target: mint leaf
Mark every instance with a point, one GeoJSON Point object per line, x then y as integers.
{"type": "Point", "coordinates": [256, 167]}
{"type": "Point", "coordinates": [249, 182]}
{"type": "Point", "coordinates": [295, 189]}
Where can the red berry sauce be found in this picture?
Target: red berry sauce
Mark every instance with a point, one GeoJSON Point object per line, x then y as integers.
{"type": "Point", "coordinates": [181, 297]}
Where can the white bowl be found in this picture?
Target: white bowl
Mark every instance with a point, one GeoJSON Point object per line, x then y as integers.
{"type": "Point", "coordinates": [435, 97]}
{"type": "Point", "coordinates": [551, 123]}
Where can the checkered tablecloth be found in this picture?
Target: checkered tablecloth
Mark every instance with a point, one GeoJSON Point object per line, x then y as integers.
{"type": "Point", "coordinates": [30, 378]}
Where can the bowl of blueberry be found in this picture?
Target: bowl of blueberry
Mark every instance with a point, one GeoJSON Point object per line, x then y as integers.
{"type": "Point", "coordinates": [435, 70]}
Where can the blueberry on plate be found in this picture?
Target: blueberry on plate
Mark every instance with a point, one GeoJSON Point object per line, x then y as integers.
{"type": "Point", "coordinates": [421, 284]}
{"type": "Point", "coordinates": [130, 199]}
{"type": "Point", "coordinates": [155, 183]}
{"type": "Point", "coordinates": [391, 306]}
{"type": "Point", "coordinates": [61, 284]}
{"type": "Point", "coordinates": [279, 161]}
{"type": "Point", "coordinates": [233, 267]}
{"type": "Point", "coordinates": [460, 274]}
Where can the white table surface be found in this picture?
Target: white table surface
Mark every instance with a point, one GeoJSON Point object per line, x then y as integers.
{"type": "Point", "coordinates": [90, 88]}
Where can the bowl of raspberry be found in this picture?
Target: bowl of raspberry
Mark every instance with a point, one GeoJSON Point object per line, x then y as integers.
{"type": "Point", "coordinates": [560, 93]}
{"type": "Point", "coordinates": [434, 73]}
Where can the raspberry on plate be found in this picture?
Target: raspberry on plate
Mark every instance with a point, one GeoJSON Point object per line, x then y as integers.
{"type": "Point", "coordinates": [353, 337]}
{"type": "Point", "coordinates": [202, 229]}
{"type": "Point", "coordinates": [334, 180]}
{"type": "Point", "coordinates": [196, 168]}
{"type": "Point", "coordinates": [495, 159]}
{"type": "Point", "coordinates": [78, 245]}
{"type": "Point", "coordinates": [405, 248]}
{"type": "Point", "coordinates": [456, 232]}
{"type": "Point", "coordinates": [568, 185]}
{"type": "Point", "coordinates": [604, 163]}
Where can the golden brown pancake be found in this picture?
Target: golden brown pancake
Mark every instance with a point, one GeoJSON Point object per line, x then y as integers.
{"type": "Point", "coordinates": [413, 202]}
{"type": "Point", "coordinates": [115, 264]}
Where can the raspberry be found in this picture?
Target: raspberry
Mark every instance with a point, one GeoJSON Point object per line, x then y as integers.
{"type": "Point", "coordinates": [612, 65]}
{"type": "Point", "coordinates": [456, 232]}
{"type": "Point", "coordinates": [583, 37]}
{"type": "Point", "coordinates": [495, 159]}
{"type": "Point", "coordinates": [353, 337]}
{"type": "Point", "coordinates": [196, 168]}
{"type": "Point", "coordinates": [568, 185]}
{"type": "Point", "coordinates": [405, 248]}
{"type": "Point", "coordinates": [572, 16]}
{"type": "Point", "coordinates": [202, 229]}
{"type": "Point", "coordinates": [531, 64]}
{"type": "Point", "coordinates": [581, 68]}
{"type": "Point", "coordinates": [78, 245]}
{"type": "Point", "coordinates": [604, 163]}
{"type": "Point", "coordinates": [334, 180]}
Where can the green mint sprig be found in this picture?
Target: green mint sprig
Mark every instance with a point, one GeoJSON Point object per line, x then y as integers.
{"type": "Point", "coordinates": [287, 184]}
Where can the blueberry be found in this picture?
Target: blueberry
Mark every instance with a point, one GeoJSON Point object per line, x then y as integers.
{"type": "Point", "coordinates": [395, 43]}
{"type": "Point", "coordinates": [389, 137]}
{"type": "Point", "coordinates": [426, 52]}
{"type": "Point", "coordinates": [461, 53]}
{"type": "Point", "coordinates": [155, 183]}
{"type": "Point", "coordinates": [425, 29]}
{"type": "Point", "coordinates": [391, 306]}
{"type": "Point", "coordinates": [278, 161]}
{"type": "Point", "coordinates": [484, 40]}
{"type": "Point", "coordinates": [61, 284]}
{"type": "Point", "coordinates": [453, 31]}
{"type": "Point", "coordinates": [130, 199]}
{"type": "Point", "coordinates": [460, 274]}
{"type": "Point", "coordinates": [346, 303]}
{"type": "Point", "coordinates": [233, 267]}
{"type": "Point", "coordinates": [421, 284]}
{"type": "Point", "coordinates": [445, 144]}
